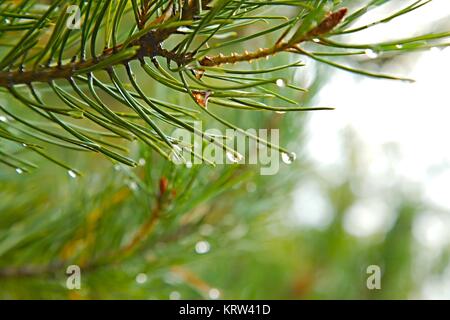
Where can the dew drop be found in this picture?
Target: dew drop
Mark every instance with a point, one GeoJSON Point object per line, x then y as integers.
{"type": "Point", "coordinates": [288, 158]}
{"type": "Point", "coordinates": [141, 278]}
{"type": "Point", "coordinates": [316, 40]}
{"type": "Point", "coordinates": [19, 171]}
{"type": "Point", "coordinates": [183, 29]}
{"type": "Point", "coordinates": [234, 157]}
{"type": "Point", "coordinates": [202, 247]}
{"type": "Point", "coordinates": [72, 174]}
{"type": "Point", "coordinates": [280, 112]}
{"type": "Point", "coordinates": [175, 295]}
{"type": "Point", "coordinates": [399, 46]}
{"type": "Point", "coordinates": [280, 83]}
{"type": "Point", "coordinates": [434, 50]}
{"type": "Point", "coordinates": [371, 54]}
{"type": "Point", "coordinates": [133, 185]}
{"type": "Point", "coordinates": [3, 119]}
{"type": "Point", "coordinates": [141, 162]}
{"type": "Point", "coordinates": [214, 293]}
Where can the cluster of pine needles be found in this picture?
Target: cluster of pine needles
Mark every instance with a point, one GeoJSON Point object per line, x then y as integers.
{"type": "Point", "coordinates": [82, 88]}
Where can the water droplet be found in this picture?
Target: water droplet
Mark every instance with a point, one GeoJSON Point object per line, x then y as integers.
{"type": "Point", "coordinates": [371, 54]}
{"type": "Point", "coordinates": [133, 185]}
{"type": "Point", "coordinates": [202, 247]}
{"type": "Point", "coordinates": [234, 157]}
{"type": "Point", "coordinates": [175, 295]}
{"type": "Point", "coordinates": [183, 29]}
{"type": "Point", "coordinates": [3, 119]}
{"type": "Point", "coordinates": [117, 167]}
{"type": "Point", "coordinates": [214, 293]}
{"type": "Point", "coordinates": [7, 21]}
{"type": "Point", "coordinates": [434, 50]}
{"type": "Point", "coordinates": [399, 46]}
{"type": "Point", "coordinates": [188, 164]}
{"type": "Point", "coordinates": [280, 112]}
{"type": "Point", "coordinates": [201, 97]}
{"type": "Point", "coordinates": [19, 171]}
{"type": "Point", "coordinates": [72, 174]}
{"type": "Point", "coordinates": [288, 158]}
{"type": "Point", "coordinates": [141, 162]}
{"type": "Point", "coordinates": [280, 83]}
{"type": "Point", "coordinates": [316, 40]}
{"type": "Point", "coordinates": [141, 278]}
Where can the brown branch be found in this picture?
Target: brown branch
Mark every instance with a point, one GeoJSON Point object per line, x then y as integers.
{"type": "Point", "coordinates": [209, 61]}
{"type": "Point", "coordinates": [329, 23]}
{"type": "Point", "coordinates": [150, 46]}
{"type": "Point", "coordinates": [146, 229]}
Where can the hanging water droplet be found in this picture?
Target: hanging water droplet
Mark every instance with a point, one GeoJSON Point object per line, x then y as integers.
{"type": "Point", "coordinates": [316, 40]}
{"type": "Point", "coordinates": [19, 171]}
{"type": "Point", "coordinates": [399, 46]}
{"type": "Point", "coordinates": [72, 174]}
{"type": "Point", "coordinates": [202, 247]}
{"type": "Point", "coordinates": [133, 185]}
{"type": "Point", "coordinates": [288, 158]}
{"type": "Point", "coordinates": [371, 53]}
{"type": "Point", "coordinates": [234, 157]}
{"type": "Point", "coordinates": [141, 162]}
{"type": "Point", "coordinates": [214, 293]}
{"type": "Point", "coordinates": [280, 83]}
{"type": "Point", "coordinates": [280, 112]}
{"type": "Point", "coordinates": [3, 119]}
{"type": "Point", "coordinates": [188, 164]}
{"type": "Point", "coordinates": [434, 50]}
{"type": "Point", "coordinates": [175, 295]}
{"type": "Point", "coordinates": [183, 29]}
{"type": "Point", "coordinates": [141, 278]}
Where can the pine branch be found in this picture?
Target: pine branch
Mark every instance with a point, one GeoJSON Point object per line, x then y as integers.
{"type": "Point", "coordinates": [42, 53]}
{"type": "Point", "coordinates": [328, 24]}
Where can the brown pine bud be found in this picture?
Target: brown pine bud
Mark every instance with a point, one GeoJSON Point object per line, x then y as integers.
{"type": "Point", "coordinates": [163, 184]}
{"type": "Point", "coordinates": [328, 24]}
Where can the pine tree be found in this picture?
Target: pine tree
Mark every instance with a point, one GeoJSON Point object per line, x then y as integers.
{"type": "Point", "coordinates": [116, 78]}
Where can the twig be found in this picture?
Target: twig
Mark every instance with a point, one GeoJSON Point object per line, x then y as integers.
{"type": "Point", "coordinates": [331, 21]}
